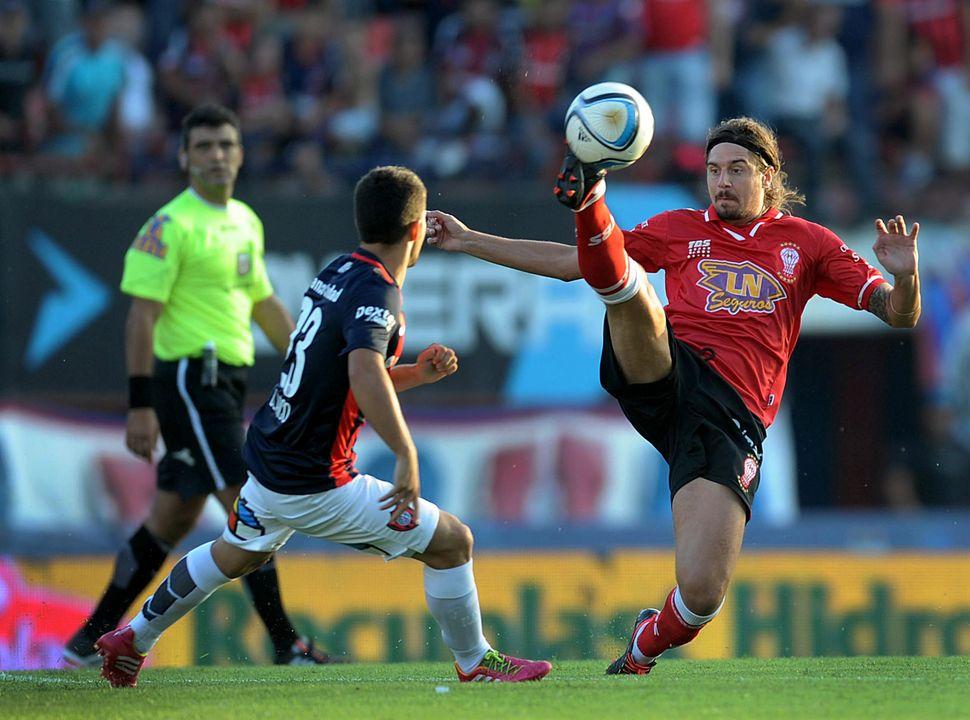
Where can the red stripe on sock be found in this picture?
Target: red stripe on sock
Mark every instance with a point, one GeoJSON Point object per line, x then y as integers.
{"type": "Point", "coordinates": [602, 257]}
{"type": "Point", "coordinates": [667, 630]}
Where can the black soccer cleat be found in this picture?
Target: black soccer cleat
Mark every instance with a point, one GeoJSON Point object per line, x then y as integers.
{"type": "Point", "coordinates": [80, 651]}
{"type": "Point", "coordinates": [625, 664]}
{"type": "Point", "coordinates": [304, 652]}
{"type": "Point", "coordinates": [578, 185]}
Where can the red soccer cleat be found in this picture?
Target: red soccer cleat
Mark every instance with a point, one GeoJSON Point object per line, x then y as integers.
{"type": "Point", "coordinates": [120, 661]}
{"type": "Point", "coordinates": [625, 664]}
{"type": "Point", "coordinates": [498, 667]}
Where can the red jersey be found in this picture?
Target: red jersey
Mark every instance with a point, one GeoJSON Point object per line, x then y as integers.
{"type": "Point", "coordinates": [736, 294]}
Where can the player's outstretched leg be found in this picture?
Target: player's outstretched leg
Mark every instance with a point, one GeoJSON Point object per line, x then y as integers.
{"type": "Point", "coordinates": [603, 260]}
{"type": "Point", "coordinates": [193, 579]}
{"type": "Point", "coordinates": [449, 587]}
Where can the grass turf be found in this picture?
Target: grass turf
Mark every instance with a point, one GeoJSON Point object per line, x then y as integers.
{"type": "Point", "coordinates": [749, 688]}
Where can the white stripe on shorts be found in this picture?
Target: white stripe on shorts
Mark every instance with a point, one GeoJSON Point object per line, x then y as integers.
{"type": "Point", "coordinates": [196, 421]}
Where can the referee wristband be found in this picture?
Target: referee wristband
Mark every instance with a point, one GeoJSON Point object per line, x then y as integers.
{"type": "Point", "coordinates": [139, 391]}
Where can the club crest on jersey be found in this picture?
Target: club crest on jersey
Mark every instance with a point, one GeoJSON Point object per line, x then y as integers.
{"type": "Point", "coordinates": [405, 522]}
{"type": "Point", "coordinates": [150, 239]}
{"type": "Point", "coordinates": [243, 522]}
{"type": "Point", "coordinates": [789, 260]}
{"type": "Point", "coordinates": [737, 287]}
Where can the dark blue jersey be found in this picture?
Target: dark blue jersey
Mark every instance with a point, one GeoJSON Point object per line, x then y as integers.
{"type": "Point", "coordinates": [302, 440]}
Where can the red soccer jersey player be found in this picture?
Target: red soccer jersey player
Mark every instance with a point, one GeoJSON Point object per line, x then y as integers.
{"type": "Point", "coordinates": [701, 378]}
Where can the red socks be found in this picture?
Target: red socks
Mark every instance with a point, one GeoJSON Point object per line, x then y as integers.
{"type": "Point", "coordinates": [602, 258]}
{"type": "Point", "coordinates": [666, 630]}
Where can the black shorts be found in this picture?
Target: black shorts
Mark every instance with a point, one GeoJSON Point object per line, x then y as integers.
{"type": "Point", "coordinates": [201, 426]}
{"type": "Point", "coordinates": [694, 418]}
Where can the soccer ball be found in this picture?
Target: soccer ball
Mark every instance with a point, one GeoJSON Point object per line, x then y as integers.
{"type": "Point", "coordinates": [609, 125]}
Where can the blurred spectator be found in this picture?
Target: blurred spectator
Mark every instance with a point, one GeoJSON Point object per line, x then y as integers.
{"type": "Point", "coordinates": [477, 50]}
{"type": "Point", "coordinates": [137, 119]}
{"type": "Point", "coordinates": [810, 84]}
{"type": "Point", "coordinates": [311, 63]}
{"type": "Point", "coordinates": [85, 76]}
{"type": "Point", "coordinates": [406, 91]}
{"type": "Point", "coordinates": [264, 110]}
{"type": "Point", "coordinates": [200, 64]}
{"type": "Point", "coordinates": [353, 120]}
{"type": "Point", "coordinates": [18, 75]}
{"type": "Point", "coordinates": [927, 58]}
{"type": "Point", "coordinates": [677, 74]}
{"type": "Point", "coordinates": [541, 100]}
{"type": "Point", "coordinates": [605, 39]}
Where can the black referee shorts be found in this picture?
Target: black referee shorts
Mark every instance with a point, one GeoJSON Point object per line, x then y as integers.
{"type": "Point", "coordinates": [201, 426]}
{"type": "Point", "coordinates": [694, 418]}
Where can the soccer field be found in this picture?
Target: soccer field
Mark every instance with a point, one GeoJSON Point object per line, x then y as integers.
{"type": "Point", "coordinates": [750, 688]}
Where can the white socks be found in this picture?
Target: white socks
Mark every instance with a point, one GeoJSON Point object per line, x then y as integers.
{"type": "Point", "coordinates": [194, 578]}
{"type": "Point", "coordinates": [453, 601]}
{"type": "Point", "coordinates": [689, 617]}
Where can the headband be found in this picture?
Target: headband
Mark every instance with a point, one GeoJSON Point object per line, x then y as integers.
{"type": "Point", "coordinates": [745, 143]}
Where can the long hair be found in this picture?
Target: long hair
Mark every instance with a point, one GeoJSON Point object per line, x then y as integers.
{"type": "Point", "coordinates": [763, 144]}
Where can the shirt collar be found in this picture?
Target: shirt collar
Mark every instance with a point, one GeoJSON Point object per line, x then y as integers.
{"type": "Point", "coordinates": [372, 259]}
{"type": "Point", "coordinates": [745, 231]}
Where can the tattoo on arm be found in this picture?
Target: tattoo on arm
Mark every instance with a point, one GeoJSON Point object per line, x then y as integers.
{"type": "Point", "coordinates": [879, 303]}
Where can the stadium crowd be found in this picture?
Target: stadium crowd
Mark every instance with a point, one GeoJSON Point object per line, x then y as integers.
{"type": "Point", "coordinates": [872, 99]}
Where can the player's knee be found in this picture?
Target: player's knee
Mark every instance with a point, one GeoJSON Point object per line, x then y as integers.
{"type": "Point", "coordinates": [703, 593]}
{"type": "Point", "coordinates": [451, 545]}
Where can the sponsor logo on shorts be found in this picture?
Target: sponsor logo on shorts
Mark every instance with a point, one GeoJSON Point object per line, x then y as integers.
{"type": "Point", "coordinates": [750, 472]}
{"type": "Point", "coordinates": [184, 455]}
{"type": "Point", "coordinates": [243, 522]}
{"type": "Point", "coordinates": [406, 522]}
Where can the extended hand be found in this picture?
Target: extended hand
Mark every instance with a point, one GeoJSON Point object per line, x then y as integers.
{"type": "Point", "coordinates": [406, 491]}
{"type": "Point", "coordinates": [436, 362]}
{"type": "Point", "coordinates": [141, 432]}
{"type": "Point", "coordinates": [896, 248]}
{"type": "Point", "coordinates": [444, 230]}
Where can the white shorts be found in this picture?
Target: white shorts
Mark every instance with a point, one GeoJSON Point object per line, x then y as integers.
{"type": "Point", "coordinates": [263, 520]}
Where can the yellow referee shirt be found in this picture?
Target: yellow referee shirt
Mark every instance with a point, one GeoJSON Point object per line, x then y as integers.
{"type": "Point", "coordinates": [205, 263]}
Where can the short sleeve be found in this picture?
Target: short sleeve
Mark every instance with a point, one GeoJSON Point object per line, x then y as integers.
{"type": "Point", "coordinates": [152, 261]}
{"type": "Point", "coordinates": [261, 287]}
{"type": "Point", "coordinates": [647, 242]}
{"type": "Point", "coordinates": [371, 318]}
{"type": "Point", "coordinates": [842, 275]}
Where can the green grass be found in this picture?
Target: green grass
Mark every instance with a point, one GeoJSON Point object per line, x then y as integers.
{"type": "Point", "coordinates": [788, 688]}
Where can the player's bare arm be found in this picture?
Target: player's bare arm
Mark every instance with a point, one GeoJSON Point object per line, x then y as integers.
{"type": "Point", "coordinates": [538, 257]}
{"type": "Point", "coordinates": [141, 427]}
{"type": "Point", "coordinates": [433, 363]}
{"type": "Point", "coordinates": [274, 320]}
{"type": "Point", "coordinates": [897, 305]}
{"type": "Point", "coordinates": [372, 388]}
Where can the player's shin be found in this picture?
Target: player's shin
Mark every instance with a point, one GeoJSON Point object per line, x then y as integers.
{"type": "Point", "coordinates": [676, 625]}
{"type": "Point", "coordinates": [603, 260]}
{"type": "Point", "coordinates": [193, 579]}
{"type": "Point", "coordinates": [453, 601]}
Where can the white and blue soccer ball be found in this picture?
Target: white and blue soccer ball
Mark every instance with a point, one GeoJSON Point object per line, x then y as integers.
{"type": "Point", "coordinates": [609, 125]}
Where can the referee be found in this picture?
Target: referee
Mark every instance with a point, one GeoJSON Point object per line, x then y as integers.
{"type": "Point", "coordinates": [197, 280]}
